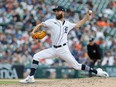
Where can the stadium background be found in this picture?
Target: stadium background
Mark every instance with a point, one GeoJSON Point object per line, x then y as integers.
{"type": "Point", "coordinates": [18, 17]}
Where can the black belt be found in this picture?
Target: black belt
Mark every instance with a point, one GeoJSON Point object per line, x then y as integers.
{"type": "Point", "coordinates": [59, 45]}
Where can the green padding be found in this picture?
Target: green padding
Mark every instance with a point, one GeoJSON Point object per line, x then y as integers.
{"type": "Point", "coordinates": [45, 72]}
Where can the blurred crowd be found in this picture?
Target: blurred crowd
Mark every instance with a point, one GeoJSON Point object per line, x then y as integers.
{"type": "Point", "coordinates": [18, 18]}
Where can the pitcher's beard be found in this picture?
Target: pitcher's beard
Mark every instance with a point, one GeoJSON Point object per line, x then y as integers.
{"type": "Point", "coordinates": [59, 17]}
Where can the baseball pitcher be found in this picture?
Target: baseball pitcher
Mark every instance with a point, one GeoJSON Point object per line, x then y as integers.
{"type": "Point", "coordinates": [59, 28]}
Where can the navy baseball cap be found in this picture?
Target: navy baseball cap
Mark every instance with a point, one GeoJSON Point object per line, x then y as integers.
{"type": "Point", "coordinates": [91, 39]}
{"type": "Point", "coordinates": [59, 8]}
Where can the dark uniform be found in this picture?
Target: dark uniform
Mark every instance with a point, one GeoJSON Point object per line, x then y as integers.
{"type": "Point", "coordinates": [94, 52]}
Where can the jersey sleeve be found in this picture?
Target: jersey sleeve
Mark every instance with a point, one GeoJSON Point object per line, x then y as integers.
{"type": "Point", "coordinates": [71, 25]}
{"type": "Point", "coordinates": [47, 23]}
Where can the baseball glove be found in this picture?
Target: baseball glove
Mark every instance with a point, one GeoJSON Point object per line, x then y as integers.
{"type": "Point", "coordinates": [39, 35]}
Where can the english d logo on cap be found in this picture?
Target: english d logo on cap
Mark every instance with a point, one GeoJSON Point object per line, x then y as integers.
{"type": "Point", "coordinates": [59, 8]}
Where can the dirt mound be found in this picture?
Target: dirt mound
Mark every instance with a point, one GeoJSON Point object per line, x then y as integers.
{"type": "Point", "coordinates": [83, 82]}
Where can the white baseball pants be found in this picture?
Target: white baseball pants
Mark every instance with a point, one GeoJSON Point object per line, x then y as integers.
{"type": "Point", "coordinates": [61, 52]}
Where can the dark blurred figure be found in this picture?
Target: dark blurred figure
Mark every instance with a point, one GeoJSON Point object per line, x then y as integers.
{"type": "Point", "coordinates": [94, 53]}
{"type": "Point", "coordinates": [32, 20]}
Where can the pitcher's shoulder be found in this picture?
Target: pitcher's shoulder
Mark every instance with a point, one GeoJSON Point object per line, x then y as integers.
{"type": "Point", "coordinates": [51, 19]}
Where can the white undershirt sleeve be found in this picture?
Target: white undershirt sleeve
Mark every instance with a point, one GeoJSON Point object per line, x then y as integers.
{"type": "Point", "coordinates": [47, 23]}
{"type": "Point", "coordinates": [71, 25]}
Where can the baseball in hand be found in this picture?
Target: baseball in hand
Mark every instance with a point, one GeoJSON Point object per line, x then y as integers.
{"type": "Point", "coordinates": [89, 12]}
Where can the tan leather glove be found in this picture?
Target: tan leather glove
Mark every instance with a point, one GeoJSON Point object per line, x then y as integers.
{"type": "Point", "coordinates": [39, 35]}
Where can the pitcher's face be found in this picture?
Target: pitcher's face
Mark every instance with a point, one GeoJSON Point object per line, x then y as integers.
{"type": "Point", "coordinates": [59, 14]}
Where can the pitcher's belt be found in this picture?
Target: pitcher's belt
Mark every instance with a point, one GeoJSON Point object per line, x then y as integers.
{"type": "Point", "coordinates": [59, 45]}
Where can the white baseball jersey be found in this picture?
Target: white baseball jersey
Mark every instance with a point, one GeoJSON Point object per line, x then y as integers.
{"type": "Point", "coordinates": [59, 30]}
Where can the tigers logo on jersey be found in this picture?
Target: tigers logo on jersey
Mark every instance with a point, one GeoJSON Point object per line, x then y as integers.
{"type": "Point", "coordinates": [65, 29]}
